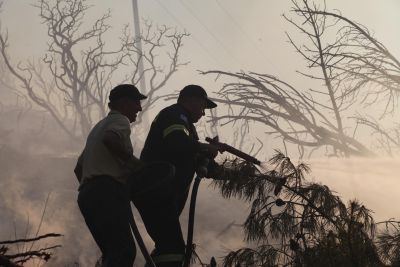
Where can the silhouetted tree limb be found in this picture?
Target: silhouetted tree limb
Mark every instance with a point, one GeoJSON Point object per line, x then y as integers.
{"type": "Point", "coordinates": [24, 240]}
{"type": "Point", "coordinates": [26, 256]}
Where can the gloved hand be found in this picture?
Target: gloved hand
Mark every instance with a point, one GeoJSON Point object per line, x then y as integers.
{"type": "Point", "coordinates": [202, 162]}
{"type": "Point", "coordinates": [216, 171]}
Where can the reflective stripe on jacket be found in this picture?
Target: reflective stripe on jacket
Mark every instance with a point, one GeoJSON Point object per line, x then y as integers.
{"type": "Point", "coordinates": [173, 138]}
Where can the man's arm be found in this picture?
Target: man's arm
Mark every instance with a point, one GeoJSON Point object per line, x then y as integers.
{"type": "Point", "coordinates": [176, 137]}
{"type": "Point", "coordinates": [115, 144]}
{"type": "Point", "coordinates": [208, 149]}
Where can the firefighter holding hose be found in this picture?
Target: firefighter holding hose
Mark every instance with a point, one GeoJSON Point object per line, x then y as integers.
{"type": "Point", "coordinates": [173, 138]}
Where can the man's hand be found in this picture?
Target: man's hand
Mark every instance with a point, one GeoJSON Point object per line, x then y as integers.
{"type": "Point", "coordinates": [134, 164]}
{"type": "Point", "coordinates": [216, 172]}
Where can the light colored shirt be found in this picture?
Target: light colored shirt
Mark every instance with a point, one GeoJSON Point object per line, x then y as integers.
{"type": "Point", "coordinates": [96, 159]}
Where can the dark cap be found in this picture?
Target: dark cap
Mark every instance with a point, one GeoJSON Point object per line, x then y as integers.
{"type": "Point", "coordinates": [125, 90]}
{"type": "Point", "coordinates": [197, 91]}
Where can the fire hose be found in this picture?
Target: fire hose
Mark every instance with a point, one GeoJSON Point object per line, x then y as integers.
{"type": "Point", "coordinates": [222, 147]}
{"type": "Point", "coordinates": [139, 240]}
{"type": "Point", "coordinates": [234, 151]}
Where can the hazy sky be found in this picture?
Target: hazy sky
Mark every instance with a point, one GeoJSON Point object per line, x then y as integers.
{"type": "Point", "coordinates": [229, 35]}
{"type": "Point", "coordinates": [232, 35]}
{"type": "Point", "coordinates": [225, 34]}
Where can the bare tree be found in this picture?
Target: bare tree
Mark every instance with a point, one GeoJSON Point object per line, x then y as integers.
{"type": "Point", "coordinates": [77, 71]}
{"type": "Point", "coordinates": [323, 117]}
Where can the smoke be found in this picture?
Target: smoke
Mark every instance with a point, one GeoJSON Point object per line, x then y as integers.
{"type": "Point", "coordinates": [373, 181]}
{"type": "Point", "coordinates": [31, 175]}
{"type": "Point", "coordinates": [39, 192]}
{"type": "Point", "coordinates": [40, 199]}
{"type": "Point", "coordinates": [30, 179]}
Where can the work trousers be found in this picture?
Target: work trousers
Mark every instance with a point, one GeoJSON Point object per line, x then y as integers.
{"type": "Point", "coordinates": [160, 214]}
{"type": "Point", "coordinates": [105, 205]}
{"type": "Point", "coordinates": [162, 224]}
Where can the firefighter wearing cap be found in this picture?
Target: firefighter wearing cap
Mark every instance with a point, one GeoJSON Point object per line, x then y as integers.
{"type": "Point", "coordinates": [173, 138]}
{"type": "Point", "coordinates": [103, 169]}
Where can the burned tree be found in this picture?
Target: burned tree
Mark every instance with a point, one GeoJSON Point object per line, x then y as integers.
{"type": "Point", "coordinates": [322, 118]}
{"type": "Point", "coordinates": [77, 71]}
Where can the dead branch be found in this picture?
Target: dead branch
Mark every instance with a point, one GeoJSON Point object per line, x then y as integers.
{"type": "Point", "coordinates": [26, 256]}
{"type": "Point", "coordinates": [24, 240]}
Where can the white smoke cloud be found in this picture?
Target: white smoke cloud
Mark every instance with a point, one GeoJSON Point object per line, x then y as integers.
{"type": "Point", "coordinates": [29, 175]}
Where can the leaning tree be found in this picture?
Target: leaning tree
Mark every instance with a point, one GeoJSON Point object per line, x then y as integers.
{"type": "Point", "coordinates": [353, 73]}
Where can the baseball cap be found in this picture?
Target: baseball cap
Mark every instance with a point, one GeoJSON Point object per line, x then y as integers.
{"type": "Point", "coordinates": [197, 91]}
{"type": "Point", "coordinates": [125, 90]}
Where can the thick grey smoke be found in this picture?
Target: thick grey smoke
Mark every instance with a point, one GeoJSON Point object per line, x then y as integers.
{"type": "Point", "coordinates": [31, 179]}
{"type": "Point", "coordinates": [37, 163]}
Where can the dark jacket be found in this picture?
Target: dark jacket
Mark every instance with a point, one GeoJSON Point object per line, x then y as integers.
{"type": "Point", "coordinates": [173, 138]}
